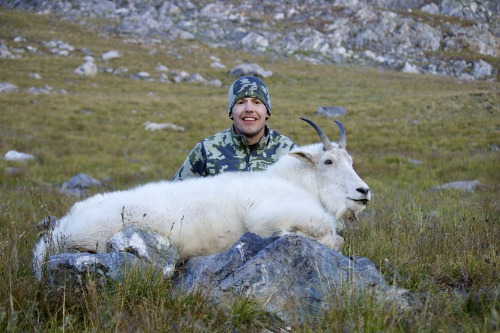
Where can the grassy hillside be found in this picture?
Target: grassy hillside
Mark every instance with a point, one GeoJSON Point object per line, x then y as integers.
{"type": "Point", "coordinates": [406, 133]}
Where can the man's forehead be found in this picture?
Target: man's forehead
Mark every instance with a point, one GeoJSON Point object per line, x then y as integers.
{"type": "Point", "coordinates": [248, 98]}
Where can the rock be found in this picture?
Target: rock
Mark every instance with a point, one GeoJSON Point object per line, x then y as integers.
{"type": "Point", "coordinates": [250, 69]}
{"type": "Point", "coordinates": [214, 10]}
{"type": "Point", "coordinates": [199, 271]}
{"type": "Point", "coordinates": [58, 47]}
{"type": "Point", "coordinates": [141, 75]}
{"type": "Point", "coordinates": [291, 276]}
{"type": "Point", "coordinates": [46, 89]}
{"type": "Point", "coordinates": [73, 269]}
{"type": "Point", "coordinates": [161, 68]}
{"type": "Point", "coordinates": [78, 185]}
{"type": "Point", "coordinates": [129, 249]}
{"type": "Point", "coordinates": [214, 82]}
{"type": "Point", "coordinates": [35, 76]}
{"type": "Point", "coordinates": [331, 111]}
{"type": "Point", "coordinates": [430, 8]}
{"type": "Point", "coordinates": [196, 78]}
{"type": "Point", "coordinates": [217, 65]}
{"type": "Point", "coordinates": [414, 161]}
{"type": "Point", "coordinates": [310, 34]}
{"type": "Point", "coordinates": [148, 246]}
{"type": "Point", "coordinates": [149, 126]}
{"type": "Point", "coordinates": [409, 68]}
{"type": "Point", "coordinates": [4, 52]}
{"type": "Point", "coordinates": [110, 55]}
{"type": "Point", "coordinates": [183, 34]}
{"type": "Point", "coordinates": [7, 87]}
{"type": "Point", "coordinates": [255, 40]}
{"type": "Point", "coordinates": [469, 186]}
{"type": "Point", "coordinates": [179, 76]}
{"type": "Point", "coordinates": [13, 155]}
{"type": "Point", "coordinates": [88, 69]}
{"type": "Point", "coordinates": [481, 69]}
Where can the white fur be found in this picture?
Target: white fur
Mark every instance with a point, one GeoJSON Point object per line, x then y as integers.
{"type": "Point", "coordinates": [297, 194]}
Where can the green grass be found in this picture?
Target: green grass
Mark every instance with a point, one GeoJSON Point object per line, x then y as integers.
{"type": "Point", "coordinates": [441, 245]}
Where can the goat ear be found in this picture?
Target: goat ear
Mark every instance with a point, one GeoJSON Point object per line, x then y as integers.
{"type": "Point", "coordinates": [305, 157]}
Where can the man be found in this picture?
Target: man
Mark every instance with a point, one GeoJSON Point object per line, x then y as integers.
{"type": "Point", "coordinates": [248, 145]}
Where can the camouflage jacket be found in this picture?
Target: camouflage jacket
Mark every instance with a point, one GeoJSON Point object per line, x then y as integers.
{"type": "Point", "coordinates": [228, 151]}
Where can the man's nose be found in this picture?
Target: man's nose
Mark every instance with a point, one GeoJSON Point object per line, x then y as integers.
{"type": "Point", "coordinates": [248, 106]}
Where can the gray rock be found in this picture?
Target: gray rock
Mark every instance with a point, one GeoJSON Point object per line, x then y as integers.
{"type": "Point", "coordinates": [13, 155]}
{"type": "Point", "coordinates": [291, 276]}
{"type": "Point", "coordinates": [331, 111]}
{"type": "Point", "coordinates": [469, 186]}
{"type": "Point", "coordinates": [35, 76]}
{"type": "Point", "coordinates": [179, 76]}
{"type": "Point", "coordinates": [148, 246]}
{"type": "Point", "coordinates": [4, 52]}
{"type": "Point", "coordinates": [7, 87]}
{"type": "Point", "coordinates": [311, 34]}
{"type": "Point", "coordinates": [250, 69]}
{"type": "Point", "coordinates": [255, 40]}
{"type": "Point", "coordinates": [182, 34]}
{"type": "Point", "coordinates": [88, 69]}
{"type": "Point", "coordinates": [46, 89]}
{"type": "Point", "coordinates": [195, 78]}
{"type": "Point", "coordinates": [73, 269]}
{"type": "Point", "coordinates": [78, 185]}
{"type": "Point", "coordinates": [214, 82]}
{"type": "Point", "coordinates": [430, 8]}
{"type": "Point", "coordinates": [409, 68]}
{"type": "Point", "coordinates": [150, 126]}
{"type": "Point", "coordinates": [214, 10]}
{"type": "Point", "coordinates": [109, 55]}
{"type": "Point", "coordinates": [145, 252]}
{"type": "Point", "coordinates": [161, 68]}
{"type": "Point", "coordinates": [481, 69]}
{"type": "Point", "coordinates": [58, 47]}
{"type": "Point", "coordinates": [217, 65]}
{"type": "Point", "coordinates": [141, 75]}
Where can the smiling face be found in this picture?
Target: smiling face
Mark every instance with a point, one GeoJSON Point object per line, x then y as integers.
{"type": "Point", "coordinates": [249, 115]}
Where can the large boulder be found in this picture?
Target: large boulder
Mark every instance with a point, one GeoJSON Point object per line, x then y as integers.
{"type": "Point", "coordinates": [292, 276]}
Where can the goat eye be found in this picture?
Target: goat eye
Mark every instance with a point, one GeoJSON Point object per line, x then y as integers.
{"type": "Point", "coordinates": [327, 162]}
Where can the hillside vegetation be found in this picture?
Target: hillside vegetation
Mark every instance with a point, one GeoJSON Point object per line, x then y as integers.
{"type": "Point", "coordinates": [407, 133]}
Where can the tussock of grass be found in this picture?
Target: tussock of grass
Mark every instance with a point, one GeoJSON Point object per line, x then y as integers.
{"type": "Point", "coordinates": [407, 133]}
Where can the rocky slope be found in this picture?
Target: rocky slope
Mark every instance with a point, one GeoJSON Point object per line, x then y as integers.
{"type": "Point", "coordinates": [443, 37]}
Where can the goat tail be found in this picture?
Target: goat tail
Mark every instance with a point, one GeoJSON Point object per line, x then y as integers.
{"type": "Point", "coordinates": [46, 245]}
{"type": "Point", "coordinates": [40, 255]}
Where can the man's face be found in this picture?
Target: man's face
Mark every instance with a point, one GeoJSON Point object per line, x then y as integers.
{"type": "Point", "coordinates": [249, 115]}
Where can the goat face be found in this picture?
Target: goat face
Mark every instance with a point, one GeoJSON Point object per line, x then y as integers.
{"type": "Point", "coordinates": [339, 187]}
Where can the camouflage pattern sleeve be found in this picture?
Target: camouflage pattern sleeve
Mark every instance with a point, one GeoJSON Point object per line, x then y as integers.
{"type": "Point", "coordinates": [194, 165]}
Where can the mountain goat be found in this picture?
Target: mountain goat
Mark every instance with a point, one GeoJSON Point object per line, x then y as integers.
{"type": "Point", "coordinates": [305, 192]}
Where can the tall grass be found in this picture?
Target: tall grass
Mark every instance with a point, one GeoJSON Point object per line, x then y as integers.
{"type": "Point", "coordinates": [407, 134]}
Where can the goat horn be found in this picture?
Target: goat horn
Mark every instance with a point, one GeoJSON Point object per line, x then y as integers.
{"type": "Point", "coordinates": [326, 142]}
{"type": "Point", "coordinates": [342, 140]}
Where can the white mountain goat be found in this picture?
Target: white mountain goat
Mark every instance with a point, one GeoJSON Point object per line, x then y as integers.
{"type": "Point", "coordinates": [304, 192]}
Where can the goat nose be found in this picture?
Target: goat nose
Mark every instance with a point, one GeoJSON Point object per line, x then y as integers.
{"type": "Point", "coordinates": [363, 190]}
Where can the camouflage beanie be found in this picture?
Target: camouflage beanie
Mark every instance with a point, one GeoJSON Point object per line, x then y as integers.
{"type": "Point", "coordinates": [248, 86]}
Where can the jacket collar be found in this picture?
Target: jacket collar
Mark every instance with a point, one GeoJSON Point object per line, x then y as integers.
{"type": "Point", "coordinates": [241, 140]}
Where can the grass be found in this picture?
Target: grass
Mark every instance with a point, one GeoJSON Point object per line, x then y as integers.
{"type": "Point", "coordinates": [441, 245]}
